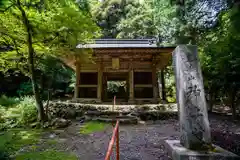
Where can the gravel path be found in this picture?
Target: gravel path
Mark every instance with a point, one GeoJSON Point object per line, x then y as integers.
{"type": "Point", "coordinates": [137, 142]}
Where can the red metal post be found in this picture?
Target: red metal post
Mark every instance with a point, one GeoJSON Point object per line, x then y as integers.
{"type": "Point", "coordinates": [117, 144]}
{"type": "Point", "coordinates": [115, 136]}
{"type": "Point", "coordinates": [110, 146]}
{"type": "Point", "coordinates": [114, 103]}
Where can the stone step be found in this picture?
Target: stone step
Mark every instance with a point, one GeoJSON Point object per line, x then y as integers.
{"type": "Point", "coordinates": [113, 119]}
{"type": "Point", "coordinates": [107, 113]}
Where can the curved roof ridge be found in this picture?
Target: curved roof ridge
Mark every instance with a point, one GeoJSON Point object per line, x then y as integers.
{"type": "Point", "coordinates": [120, 43]}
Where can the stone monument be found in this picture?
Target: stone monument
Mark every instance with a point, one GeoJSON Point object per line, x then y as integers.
{"type": "Point", "coordinates": [195, 134]}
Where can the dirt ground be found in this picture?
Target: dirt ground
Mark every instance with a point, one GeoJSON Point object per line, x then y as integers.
{"type": "Point", "coordinates": [137, 142]}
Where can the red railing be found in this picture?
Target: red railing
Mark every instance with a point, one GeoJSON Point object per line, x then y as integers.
{"type": "Point", "coordinates": [115, 137]}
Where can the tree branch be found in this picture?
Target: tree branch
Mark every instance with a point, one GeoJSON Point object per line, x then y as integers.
{"type": "Point", "coordinates": [6, 9]}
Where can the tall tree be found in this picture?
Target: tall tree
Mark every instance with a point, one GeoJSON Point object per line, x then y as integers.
{"type": "Point", "coordinates": [109, 14]}
{"type": "Point", "coordinates": [220, 56]}
{"type": "Point", "coordinates": [34, 28]}
{"type": "Point", "coordinates": [137, 23]}
{"type": "Point", "coordinates": [194, 17]}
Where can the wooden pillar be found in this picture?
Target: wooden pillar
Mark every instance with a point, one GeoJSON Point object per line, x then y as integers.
{"type": "Point", "coordinates": [104, 89]}
{"type": "Point", "coordinates": [160, 86]}
{"type": "Point", "coordinates": [100, 82]}
{"type": "Point", "coordinates": [131, 86]}
{"type": "Point", "coordinates": [78, 68]}
{"type": "Point", "coordinates": [131, 83]}
{"type": "Point", "coordinates": [155, 84]}
{"type": "Point", "coordinates": [163, 86]}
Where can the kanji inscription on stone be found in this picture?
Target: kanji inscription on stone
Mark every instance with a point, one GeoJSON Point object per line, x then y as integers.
{"type": "Point", "coordinates": [194, 123]}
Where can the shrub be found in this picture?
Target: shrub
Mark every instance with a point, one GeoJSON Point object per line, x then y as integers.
{"type": "Point", "coordinates": [27, 108]}
{"type": "Point", "coordinates": [23, 114]}
{"type": "Point", "coordinates": [2, 118]}
{"type": "Point", "coordinates": [8, 101]}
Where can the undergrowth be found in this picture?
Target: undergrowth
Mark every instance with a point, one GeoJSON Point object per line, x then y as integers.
{"type": "Point", "coordinates": [26, 144]}
{"type": "Point", "coordinates": [20, 114]}
{"type": "Point", "coordinates": [46, 155]}
{"type": "Point", "coordinates": [8, 101]}
{"type": "Point", "coordinates": [15, 139]}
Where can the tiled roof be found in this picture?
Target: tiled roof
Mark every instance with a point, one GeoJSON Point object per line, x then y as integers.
{"type": "Point", "coordinates": [120, 43]}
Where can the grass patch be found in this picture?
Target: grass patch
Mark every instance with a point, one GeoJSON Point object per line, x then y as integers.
{"type": "Point", "coordinates": [52, 141]}
{"type": "Point", "coordinates": [46, 155]}
{"type": "Point", "coordinates": [91, 127]}
{"type": "Point", "coordinates": [15, 139]}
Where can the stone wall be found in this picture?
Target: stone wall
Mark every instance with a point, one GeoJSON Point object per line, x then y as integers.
{"type": "Point", "coordinates": [69, 110]}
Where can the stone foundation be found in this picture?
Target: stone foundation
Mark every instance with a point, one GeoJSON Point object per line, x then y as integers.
{"type": "Point", "coordinates": [178, 152]}
{"type": "Point", "coordinates": [71, 110]}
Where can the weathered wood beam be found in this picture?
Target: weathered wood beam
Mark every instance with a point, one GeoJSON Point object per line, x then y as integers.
{"type": "Point", "coordinates": [131, 82]}
{"type": "Point", "coordinates": [100, 81]}
{"type": "Point", "coordinates": [163, 86]}
{"type": "Point", "coordinates": [77, 83]}
{"type": "Point", "coordinates": [154, 80]}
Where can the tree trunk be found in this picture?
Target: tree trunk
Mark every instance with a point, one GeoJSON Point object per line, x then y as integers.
{"type": "Point", "coordinates": [39, 104]}
{"type": "Point", "coordinates": [163, 86]}
{"type": "Point", "coordinates": [42, 85]}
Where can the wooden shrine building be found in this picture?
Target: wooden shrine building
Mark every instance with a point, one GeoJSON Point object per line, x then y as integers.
{"type": "Point", "coordinates": [133, 61]}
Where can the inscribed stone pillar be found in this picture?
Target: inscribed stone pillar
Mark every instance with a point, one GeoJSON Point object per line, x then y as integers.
{"type": "Point", "coordinates": [76, 92]}
{"type": "Point", "coordinates": [194, 124]}
{"type": "Point", "coordinates": [100, 83]}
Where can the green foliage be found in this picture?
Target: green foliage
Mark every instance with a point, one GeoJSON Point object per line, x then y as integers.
{"type": "Point", "coordinates": [220, 58]}
{"type": "Point", "coordinates": [113, 86]}
{"type": "Point", "coordinates": [109, 13]}
{"type": "Point", "coordinates": [31, 29]}
{"type": "Point", "coordinates": [56, 76]}
{"type": "Point", "coordinates": [220, 52]}
{"type": "Point", "coordinates": [25, 89]}
{"type": "Point", "coordinates": [58, 26]}
{"type": "Point", "coordinates": [91, 127]}
{"type": "Point", "coordinates": [137, 23]}
{"type": "Point", "coordinates": [170, 84]}
{"type": "Point", "coordinates": [22, 114]}
{"type": "Point", "coordinates": [28, 111]}
{"type": "Point", "coordinates": [8, 101]}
